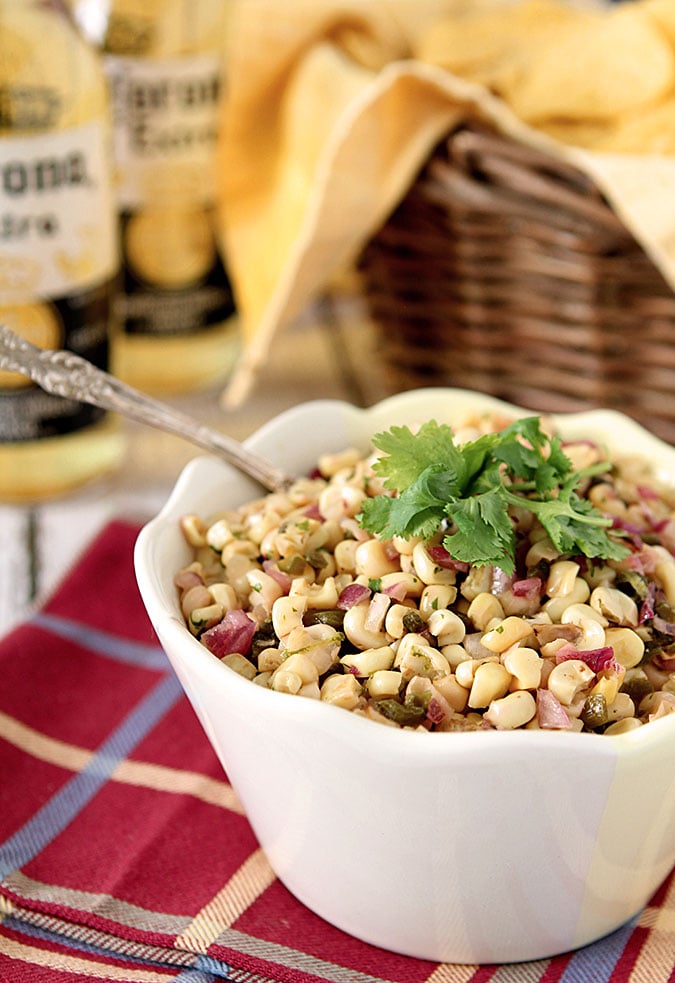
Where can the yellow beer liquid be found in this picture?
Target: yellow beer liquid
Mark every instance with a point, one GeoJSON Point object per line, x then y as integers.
{"type": "Point", "coordinates": [169, 366]}
{"type": "Point", "coordinates": [164, 60]}
{"type": "Point", "coordinates": [33, 470]}
{"type": "Point", "coordinates": [53, 108]}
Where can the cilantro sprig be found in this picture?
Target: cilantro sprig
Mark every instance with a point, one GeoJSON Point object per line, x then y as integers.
{"type": "Point", "coordinates": [467, 489]}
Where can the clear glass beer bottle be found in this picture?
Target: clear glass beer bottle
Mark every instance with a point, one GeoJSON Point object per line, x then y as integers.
{"type": "Point", "coordinates": [165, 63]}
{"type": "Point", "coordinates": [59, 255]}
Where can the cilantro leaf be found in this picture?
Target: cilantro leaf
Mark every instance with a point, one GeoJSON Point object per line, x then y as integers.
{"type": "Point", "coordinates": [417, 511]}
{"type": "Point", "coordinates": [575, 526]}
{"type": "Point", "coordinates": [484, 533]}
{"type": "Point", "coordinates": [532, 456]}
{"type": "Point", "coordinates": [435, 484]}
{"type": "Point", "coordinates": [410, 454]}
{"type": "Point", "coordinates": [479, 464]}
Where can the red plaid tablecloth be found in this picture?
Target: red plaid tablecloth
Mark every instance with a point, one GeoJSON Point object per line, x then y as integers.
{"type": "Point", "coordinates": [124, 852]}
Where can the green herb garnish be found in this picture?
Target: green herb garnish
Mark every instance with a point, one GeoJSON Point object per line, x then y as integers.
{"type": "Point", "coordinates": [468, 488]}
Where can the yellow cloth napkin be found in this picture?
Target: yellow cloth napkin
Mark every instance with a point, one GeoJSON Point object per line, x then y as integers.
{"type": "Point", "coordinates": [328, 120]}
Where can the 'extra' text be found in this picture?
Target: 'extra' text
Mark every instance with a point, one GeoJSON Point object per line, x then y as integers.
{"type": "Point", "coordinates": [25, 181]}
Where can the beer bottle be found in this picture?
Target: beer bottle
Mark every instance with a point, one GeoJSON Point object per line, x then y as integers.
{"type": "Point", "coordinates": [165, 64]}
{"type": "Point", "coordinates": [58, 244]}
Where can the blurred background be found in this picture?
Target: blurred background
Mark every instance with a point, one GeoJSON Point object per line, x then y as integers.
{"type": "Point", "coordinates": [238, 205]}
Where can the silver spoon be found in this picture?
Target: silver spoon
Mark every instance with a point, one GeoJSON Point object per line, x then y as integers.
{"type": "Point", "coordinates": [64, 374]}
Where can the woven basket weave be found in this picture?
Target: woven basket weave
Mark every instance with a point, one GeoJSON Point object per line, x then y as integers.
{"type": "Point", "coordinates": [505, 271]}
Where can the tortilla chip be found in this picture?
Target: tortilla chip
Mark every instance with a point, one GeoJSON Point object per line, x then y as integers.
{"type": "Point", "coordinates": [651, 131]}
{"type": "Point", "coordinates": [493, 42]}
{"type": "Point", "coordinates": [662, 13]}
{"type": "Point", "coordinates": [578, 133]}
{"type": "Point", "coordinates": [609, 65]}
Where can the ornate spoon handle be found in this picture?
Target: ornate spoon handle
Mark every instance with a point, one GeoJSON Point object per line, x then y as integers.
{"type": "Point", "coordinates": [65, 374]}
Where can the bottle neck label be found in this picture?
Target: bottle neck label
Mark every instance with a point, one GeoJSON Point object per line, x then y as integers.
{"type": "Point", "coordinates": [58, 226]}
{"type": "Point", "coordinates": [165, 127]}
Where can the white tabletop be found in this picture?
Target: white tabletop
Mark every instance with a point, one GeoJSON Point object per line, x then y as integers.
{"type": "Point", "coordinates": [329, 352]}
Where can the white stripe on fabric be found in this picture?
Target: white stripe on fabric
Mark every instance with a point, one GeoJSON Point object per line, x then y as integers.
{"type": "Point", "coordinates": [62, 808]}
{"type": "Point", "coordinates": [161, 778]}
{"type": "Point", "coordinates": [104, 905]}
{"type": "Point", "coordinates": [530, 972]}
{"type": "Point", "coordinates": [280, 955]}
{"type": "Point", "coordinates": [87, 968]}
{"type": "Point", "coordinates": [450, 973]}
{"type": "Point", "coordinates": [83, 935]}
{"type": "Point", "coordinates": [246, 885]}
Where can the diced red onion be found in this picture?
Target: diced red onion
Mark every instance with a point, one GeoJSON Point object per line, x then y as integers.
{"type": "Point", "coordinates": [630, 527]}
{"type": "Point", "coordinates": [646, 612]}
{"type": "Point", "coordinates": [664, 662]}
{"type": "Point", "coordinates": [640, 562]}
{"type": "Point", "coordinates": [530, 587]}
{"type": "Point", "coordinates": [187, 579]}
{"type": "Point", "coordinates": [634, 532]}
{"type": "Point", "coordinates": [644, 491]}
{"type": "Point", "coordinates": [377, 609]}
{"type": "Point", "coordinates": [396, 591]}
{"type": "Point", "coordinates": [651, 559]}
{"type": "Point", "coordinates": [660, 525]}
{"type": "Point", "coordinates": [566, 652]}
{"type": "Point", "coordinates": [665, 627]}
{"type": "Point", "coordinates": [596, 659]}
{"type": "Point", "coordinates": [442, 558]}
{"type": "Point", "coordinates": [273, 571]}
{"type": "Point", "coordinates": [647, 607]}
{"type": "Point", "coordinates": [472, 643]}
{"type": "Point", "coordinates": [351, 526]}
{"type": "Point", "coordinates": [435, 711]}
{"type": "Point", "coordinates": [551, 714]}
{"type": "Point", "coordinates": [656, 523]}
{"type": "Point", "coordinates": [312, 512]}
{"type": "Point", "coordinates": [501, 582]}
{"type": "Point", "coordinates": [351, 595]}
{"type": "Point", "coordinates": [233, 634]}
{"type": "Point", "coordinates": [663, 706]}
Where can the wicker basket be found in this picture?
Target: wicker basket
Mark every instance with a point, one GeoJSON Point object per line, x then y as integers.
{"type": "Point", "coordinates": [504, 270]}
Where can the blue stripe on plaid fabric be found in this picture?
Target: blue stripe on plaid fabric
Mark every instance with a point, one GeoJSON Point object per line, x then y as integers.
{"type": "Point", "coordinates": [196, 976]}
{"type": "Point", "coordinates": [207, 964]}
{"type": "Point", "coordinates": [61, 809]}
{"type": "Point", "coordinates": [119, 649]}
{"type": "Point", "coordinates": [597, 961]}
{"type": "Point", "coordinates": [203, 976]}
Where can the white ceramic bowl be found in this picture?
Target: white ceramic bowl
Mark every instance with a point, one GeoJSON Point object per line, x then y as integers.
{"type": "Point", "coordinates": [461, 847]}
